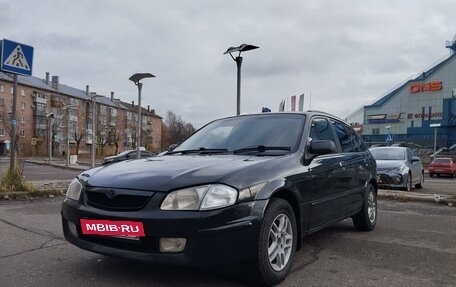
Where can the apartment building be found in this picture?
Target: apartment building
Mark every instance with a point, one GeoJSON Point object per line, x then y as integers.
{"type": "Point", "coordinates": [51, 114]}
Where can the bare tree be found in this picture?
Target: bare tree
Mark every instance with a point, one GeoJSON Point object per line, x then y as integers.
{"type": "Point", "coordinates": [178, 130]}
{"type": "Point", "coordinates": [6, 124]}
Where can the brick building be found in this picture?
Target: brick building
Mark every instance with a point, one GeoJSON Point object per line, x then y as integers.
{"type": "Point", "coordinates": [48, 111]}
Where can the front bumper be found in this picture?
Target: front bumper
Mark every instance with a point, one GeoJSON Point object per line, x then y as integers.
{"type": "Point", "coordinates": [212, 237]}
{"type": "Point", "coordinates": [390, 179]}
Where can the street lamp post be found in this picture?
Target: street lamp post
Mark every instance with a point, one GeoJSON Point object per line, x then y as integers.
{"type": "Point", "coordinates": [68, 109]}
{"type": "Point", "coordinates": [435, 126]}
{"type": "Point", "coordinates": [238, 60]}
{"type": "Point", "coordinates": [135, 78]}
{"type": "Point", "coordinates": [93, 97]}
{"type": "Point", "coordinates": [49, 118]}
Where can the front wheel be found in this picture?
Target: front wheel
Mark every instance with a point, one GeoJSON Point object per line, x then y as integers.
{"type": "Point", "coordinates": [276, 244]}
{"type": "Point", "coordinates": [408, 183]}
{"type": "Point", "coordinates": [366, 218]}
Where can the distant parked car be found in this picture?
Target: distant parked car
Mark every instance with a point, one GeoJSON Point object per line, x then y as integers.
{"type": "Point", "coordinates": [128, 154]}
{"type": "Point", "coordinates": [442, 165]}
{"type": "Point", "coordinates": [398, 167]}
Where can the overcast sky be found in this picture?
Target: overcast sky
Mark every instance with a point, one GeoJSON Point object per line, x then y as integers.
{"type": "Point", "coordinates": [345, 53]}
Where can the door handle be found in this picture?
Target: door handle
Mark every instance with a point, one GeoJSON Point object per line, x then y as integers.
{"type": "Point", "coordinates": [342, 163]}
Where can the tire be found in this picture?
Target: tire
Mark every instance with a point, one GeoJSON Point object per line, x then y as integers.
{"type": "Point", "coordinates": [366, 218]}
{"type": "Point", "coordinates": [453, 174]}
{"type": "Point", "coordinates": [421, 183]}
{"type": "Point", "coordinates": [431, 175]}
{"type": "Point", "coordinates": [277, 243]}
{"type": "Point", "coordinates": [408, 184]}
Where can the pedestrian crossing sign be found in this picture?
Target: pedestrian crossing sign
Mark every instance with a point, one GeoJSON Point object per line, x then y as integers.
{"type": "Point", "coordinates": [16, 58]}
{"type": "Point", "coordinates": [389, 139]}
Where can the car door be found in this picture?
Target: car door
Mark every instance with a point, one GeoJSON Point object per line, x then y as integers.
{"type": "Point", "coordinates": [327, 176]}
{"type": "Point", "coordinates": [357, 166]}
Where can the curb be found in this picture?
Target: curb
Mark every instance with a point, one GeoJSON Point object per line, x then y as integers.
{"type": "Point", "coordinates": [75, 168]}
{"type": "Point", "coordinates": [419, 197]}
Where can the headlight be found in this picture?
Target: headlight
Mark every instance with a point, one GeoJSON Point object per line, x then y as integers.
{"type": "Point", "coordinates": [204, 197]}
{"type": "Point", "coordinates": [74, 190]}
{"type": "Point", "coordinates": [399, 168]}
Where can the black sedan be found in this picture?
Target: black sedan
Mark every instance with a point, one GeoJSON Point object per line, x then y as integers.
{"type": "Point", "coordinates": [241, 189]}
{"type": "Point", "coordinates": [128, 154]}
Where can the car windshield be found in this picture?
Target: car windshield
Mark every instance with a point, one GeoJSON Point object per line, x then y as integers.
{"type": "Point", "coordinates": [388, 153]}
{"type": "Point", "coordinates": [271, 133]}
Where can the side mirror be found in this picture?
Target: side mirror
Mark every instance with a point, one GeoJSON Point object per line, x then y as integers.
{"type": "Point", "coordinates": [321, 147]}
{"type": "Point", "coordinates": [172, 147]}
{"type": "Point", "coordinates": [415, 159]}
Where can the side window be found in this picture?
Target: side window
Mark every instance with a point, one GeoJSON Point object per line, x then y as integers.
{"type": "Point", "coordinates": [410, 154]}
{"type": "Point", "coordinates": [320, 129]}
{"type": "Point", "coordinates": [346, 141]}
{"type": "Point", "coordinates": [358, 143]}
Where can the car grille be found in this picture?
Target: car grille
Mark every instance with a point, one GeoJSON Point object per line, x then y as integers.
{"type": "Point", "coordinates": [385, 179]}
{"type": "Point", "coordinates": [117, 199]}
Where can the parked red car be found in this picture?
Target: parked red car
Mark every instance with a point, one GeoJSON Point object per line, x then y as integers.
{"type": "Point", "coordinates": [442, 165]}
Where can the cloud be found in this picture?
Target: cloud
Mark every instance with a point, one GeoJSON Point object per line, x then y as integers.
{"type": "Point", "coordinates": [343, 52]}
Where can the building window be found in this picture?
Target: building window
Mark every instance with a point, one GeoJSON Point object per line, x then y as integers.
{"type": "Point", "coordinates": [22, 133]}
{"type": "Point", "coordinates": [22, 93]}
{"type": "Point", "coordinates": [23, 106]}
{"type": "Point", "coordinates": [11, 90]}
{"type": "Point", "coordinates": [22, 120]}
{"type": "Point", "coordinates": [2, 132]}
{"type": "Point", "coordinates": [22, 147]}
{"type": "Point", "coordinates": [1, 88]}
{"type": "Point", "coordinates": [376, 131]}
{"type": "Point", "coordinates": [2, 102]}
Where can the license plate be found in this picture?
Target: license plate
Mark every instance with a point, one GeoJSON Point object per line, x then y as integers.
{"type": "Point", "coordinates": [123, 229]}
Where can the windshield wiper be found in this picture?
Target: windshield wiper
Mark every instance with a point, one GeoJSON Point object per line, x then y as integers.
{"type": "Point", "coordinates": [200, 150]}
{"type": "Point", "coordinates": [260, 148]}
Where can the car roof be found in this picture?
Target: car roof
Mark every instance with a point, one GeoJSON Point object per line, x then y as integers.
{"type": "Point", "coordinates": [304, 113]}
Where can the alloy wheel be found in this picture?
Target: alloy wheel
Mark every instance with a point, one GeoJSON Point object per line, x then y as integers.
{"type": "Point", "coordinates": [280, 242]}
{"type": "Point", "coordinates": [371, 207]}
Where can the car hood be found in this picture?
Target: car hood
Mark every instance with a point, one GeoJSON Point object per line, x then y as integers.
{"type": "Point", "coordinates": [165, 173]}
{"type": "Point", "coordinates": [388, 164]}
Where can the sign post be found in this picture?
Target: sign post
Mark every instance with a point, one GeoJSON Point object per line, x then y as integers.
{"type": "Point", "coordinates": [435, 126]}
{"type": "Point", "coordinates": [15, 58]}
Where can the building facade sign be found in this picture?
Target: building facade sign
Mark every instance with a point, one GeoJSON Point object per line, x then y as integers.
{"type": "Point", "coordinates": [384, 118]}
{"type": "Point", "coordinates": [415, 88]}
{"type": "Point", "coordinates": [424, 115]}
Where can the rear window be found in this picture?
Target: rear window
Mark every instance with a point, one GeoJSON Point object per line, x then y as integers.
{"type": "Point", "coordinates": [388, 153]}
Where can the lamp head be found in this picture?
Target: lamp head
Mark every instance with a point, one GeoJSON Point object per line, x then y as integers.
{"type": "Point", "coordinates": [135, 78]}
{"type": "Point", "coordinates": [240, 48]}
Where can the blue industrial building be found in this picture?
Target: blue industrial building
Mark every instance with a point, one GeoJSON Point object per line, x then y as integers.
{"type": "Point", "coordinates": [420, 111]}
